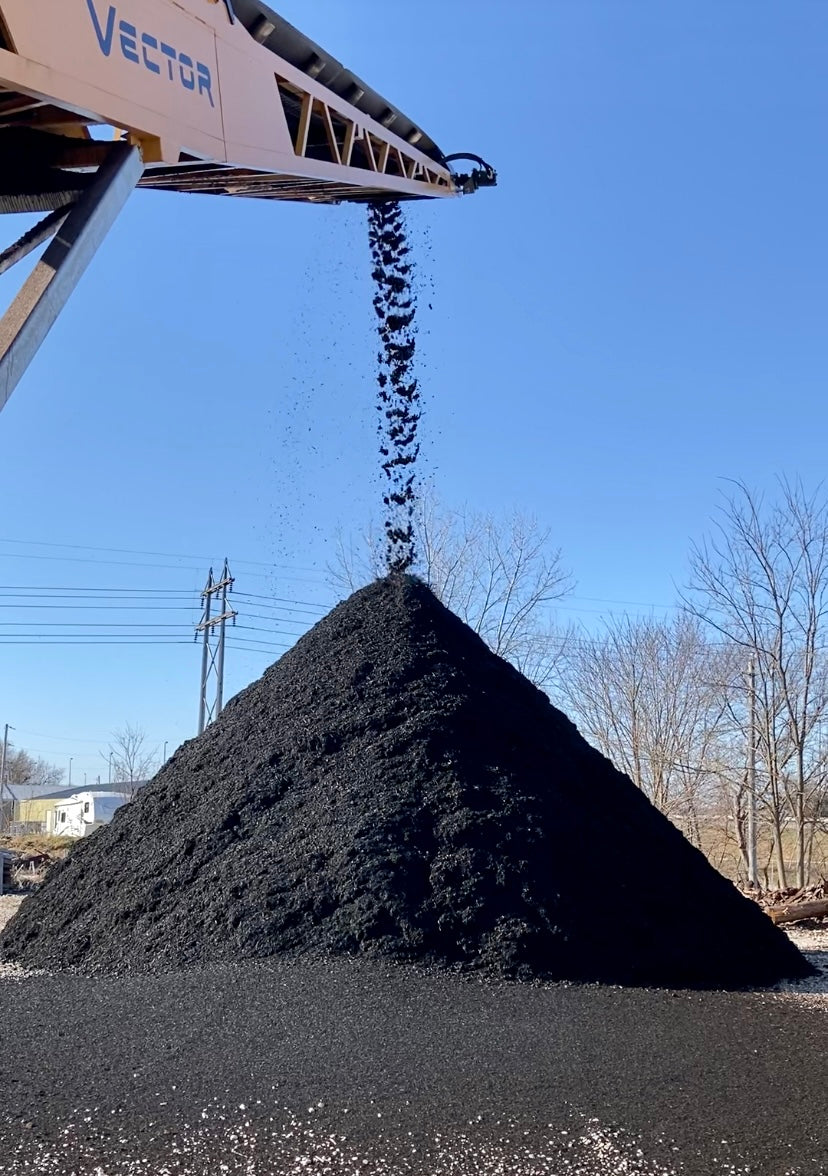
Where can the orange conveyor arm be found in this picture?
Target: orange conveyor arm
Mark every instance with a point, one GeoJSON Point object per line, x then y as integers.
{"type": "Point", "coordinates": [221, 97]}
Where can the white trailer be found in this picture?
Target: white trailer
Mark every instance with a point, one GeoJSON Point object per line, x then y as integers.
{"type": "Point", "coordinates": [81, 814]}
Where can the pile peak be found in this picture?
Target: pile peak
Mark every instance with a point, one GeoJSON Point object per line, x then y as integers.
{"type": "Point", "coordinates": [392, 788]}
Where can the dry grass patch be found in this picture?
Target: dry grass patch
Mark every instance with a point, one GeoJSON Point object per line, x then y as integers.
{"type": "Point", "coordinates": [34, 843]}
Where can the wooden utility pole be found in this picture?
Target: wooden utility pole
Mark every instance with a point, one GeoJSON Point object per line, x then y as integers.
{"type": "Point", "coordinates": [753, 874]}
{"type": "Point", "coordinates": [3, 781]}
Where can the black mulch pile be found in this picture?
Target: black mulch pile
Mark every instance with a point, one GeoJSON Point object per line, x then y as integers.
{"type": "Point", "coordinates": [392, 788]}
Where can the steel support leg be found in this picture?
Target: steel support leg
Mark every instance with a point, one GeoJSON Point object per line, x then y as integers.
{"type": "Point", "coordinates": [31, 316]}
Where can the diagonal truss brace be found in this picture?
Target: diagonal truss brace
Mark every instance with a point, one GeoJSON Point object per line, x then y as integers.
{"type": "Point", "coordinates": [323, 132]}
{"type": "Point", "coordinates": [77, 238]}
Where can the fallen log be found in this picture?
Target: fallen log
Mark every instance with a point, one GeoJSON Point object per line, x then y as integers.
{"type": "Point", "coordinates": [795, 912]}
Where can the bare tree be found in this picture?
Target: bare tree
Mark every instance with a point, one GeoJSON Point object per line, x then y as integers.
{"type": "Point", "coordinates": [761, 581]}
{"type": "Point", "coordinates": [23, 776]}
{"type": "Point", "coordinates": [730, 813]}
{"type": "Point", "coordinates": [131, 759]}
{"type": "Point", "coordinates": [499, 575]}
{"type": "Point", "coordinates": [25, 771]}
{"type": "Point", "coordinates": [647, 692]}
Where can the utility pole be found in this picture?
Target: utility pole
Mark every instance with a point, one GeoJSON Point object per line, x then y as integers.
{"type": "Point", "coordinates": [213, 631]}
{"type": "Point", "coordinates": [3, 777]}
{"type": "Point", "coordinates": [753, 876]}
{"type": "Point", "coordinates": [204, 627]}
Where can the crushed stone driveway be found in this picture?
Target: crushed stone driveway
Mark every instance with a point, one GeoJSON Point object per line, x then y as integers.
{"type": "Point", "coordinates": [286, 1067]}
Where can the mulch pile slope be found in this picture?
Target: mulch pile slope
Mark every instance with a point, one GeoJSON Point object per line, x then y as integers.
{"type": "Point", "coordinates": [392, 788]}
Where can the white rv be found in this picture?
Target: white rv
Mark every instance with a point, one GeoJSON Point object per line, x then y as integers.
{"type": "Point", "coordinates": [82, 813]}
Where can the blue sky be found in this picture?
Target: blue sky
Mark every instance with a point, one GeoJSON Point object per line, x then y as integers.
{"type": "Point", "coordinates": [637, 312]}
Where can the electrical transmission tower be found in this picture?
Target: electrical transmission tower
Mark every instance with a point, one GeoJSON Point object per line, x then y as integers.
{"type": "Point", "coordinates": [212, 627]}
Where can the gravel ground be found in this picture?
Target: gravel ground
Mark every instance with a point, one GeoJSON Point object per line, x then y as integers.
{"type": "Point", "coordinates": [812, 941]}
{"type": "Point", "coordinates": [8, 906]}
{"type": "Point", "coordinates": [271, 1068]}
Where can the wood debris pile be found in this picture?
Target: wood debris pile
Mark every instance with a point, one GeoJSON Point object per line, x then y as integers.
{"type": "Point", "coordinates": [26, 870]}
{"type": "Point", "coordinates": [792, 905]}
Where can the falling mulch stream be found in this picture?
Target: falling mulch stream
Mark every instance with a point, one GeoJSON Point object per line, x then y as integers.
{"type": "Point", "coordinates": [398, 403]}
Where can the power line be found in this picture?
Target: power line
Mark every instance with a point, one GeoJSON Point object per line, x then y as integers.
{"type": "Point", "coordinates": [123, 563]}
{"type": "Point", "coordinates": [60, 738]}
{"type": "Point", "coordinates": [24, 629]}
{"type": "Point", "coordinates": [92, 641]}
{"type": "Point", "coordinates": [114, 563]}
{"type": "Point", "coordinates": [116, 607]}
{"type": "Point", "coordinates": [632, 603]}
{"type": "Point", "coordinates": [176, 637]}
{"type": "Point", "coordinates": [99, 624]}
{"type": "Point", "coordinates": [311, 605]}
{"type": "Point", "coordinates": [602, 612]}
{"type": "Point", "coordinates": [93, 638]}
{"type": "Point", "coordinates": [277, 620]}
{"type": "Point", "coordinates": [260, 629]}
{"type": "Point", "coordinates": [56, 753]}
{"type": "Point", "coordinates": [136, 593]}
{"type": "Point", "coordinates": [256, 563]}
{"type": "Point", "coordinates": [280, 603]}
{"type": "Point", "coordinates": [269, 655]}
{"type": "Point", "coordinates": [263, 641]}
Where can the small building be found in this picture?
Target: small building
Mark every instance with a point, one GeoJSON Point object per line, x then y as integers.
{"type": "Point", "coordinates": [32, 811]}
{"type": "Point", "coordinates": [80, 814]}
